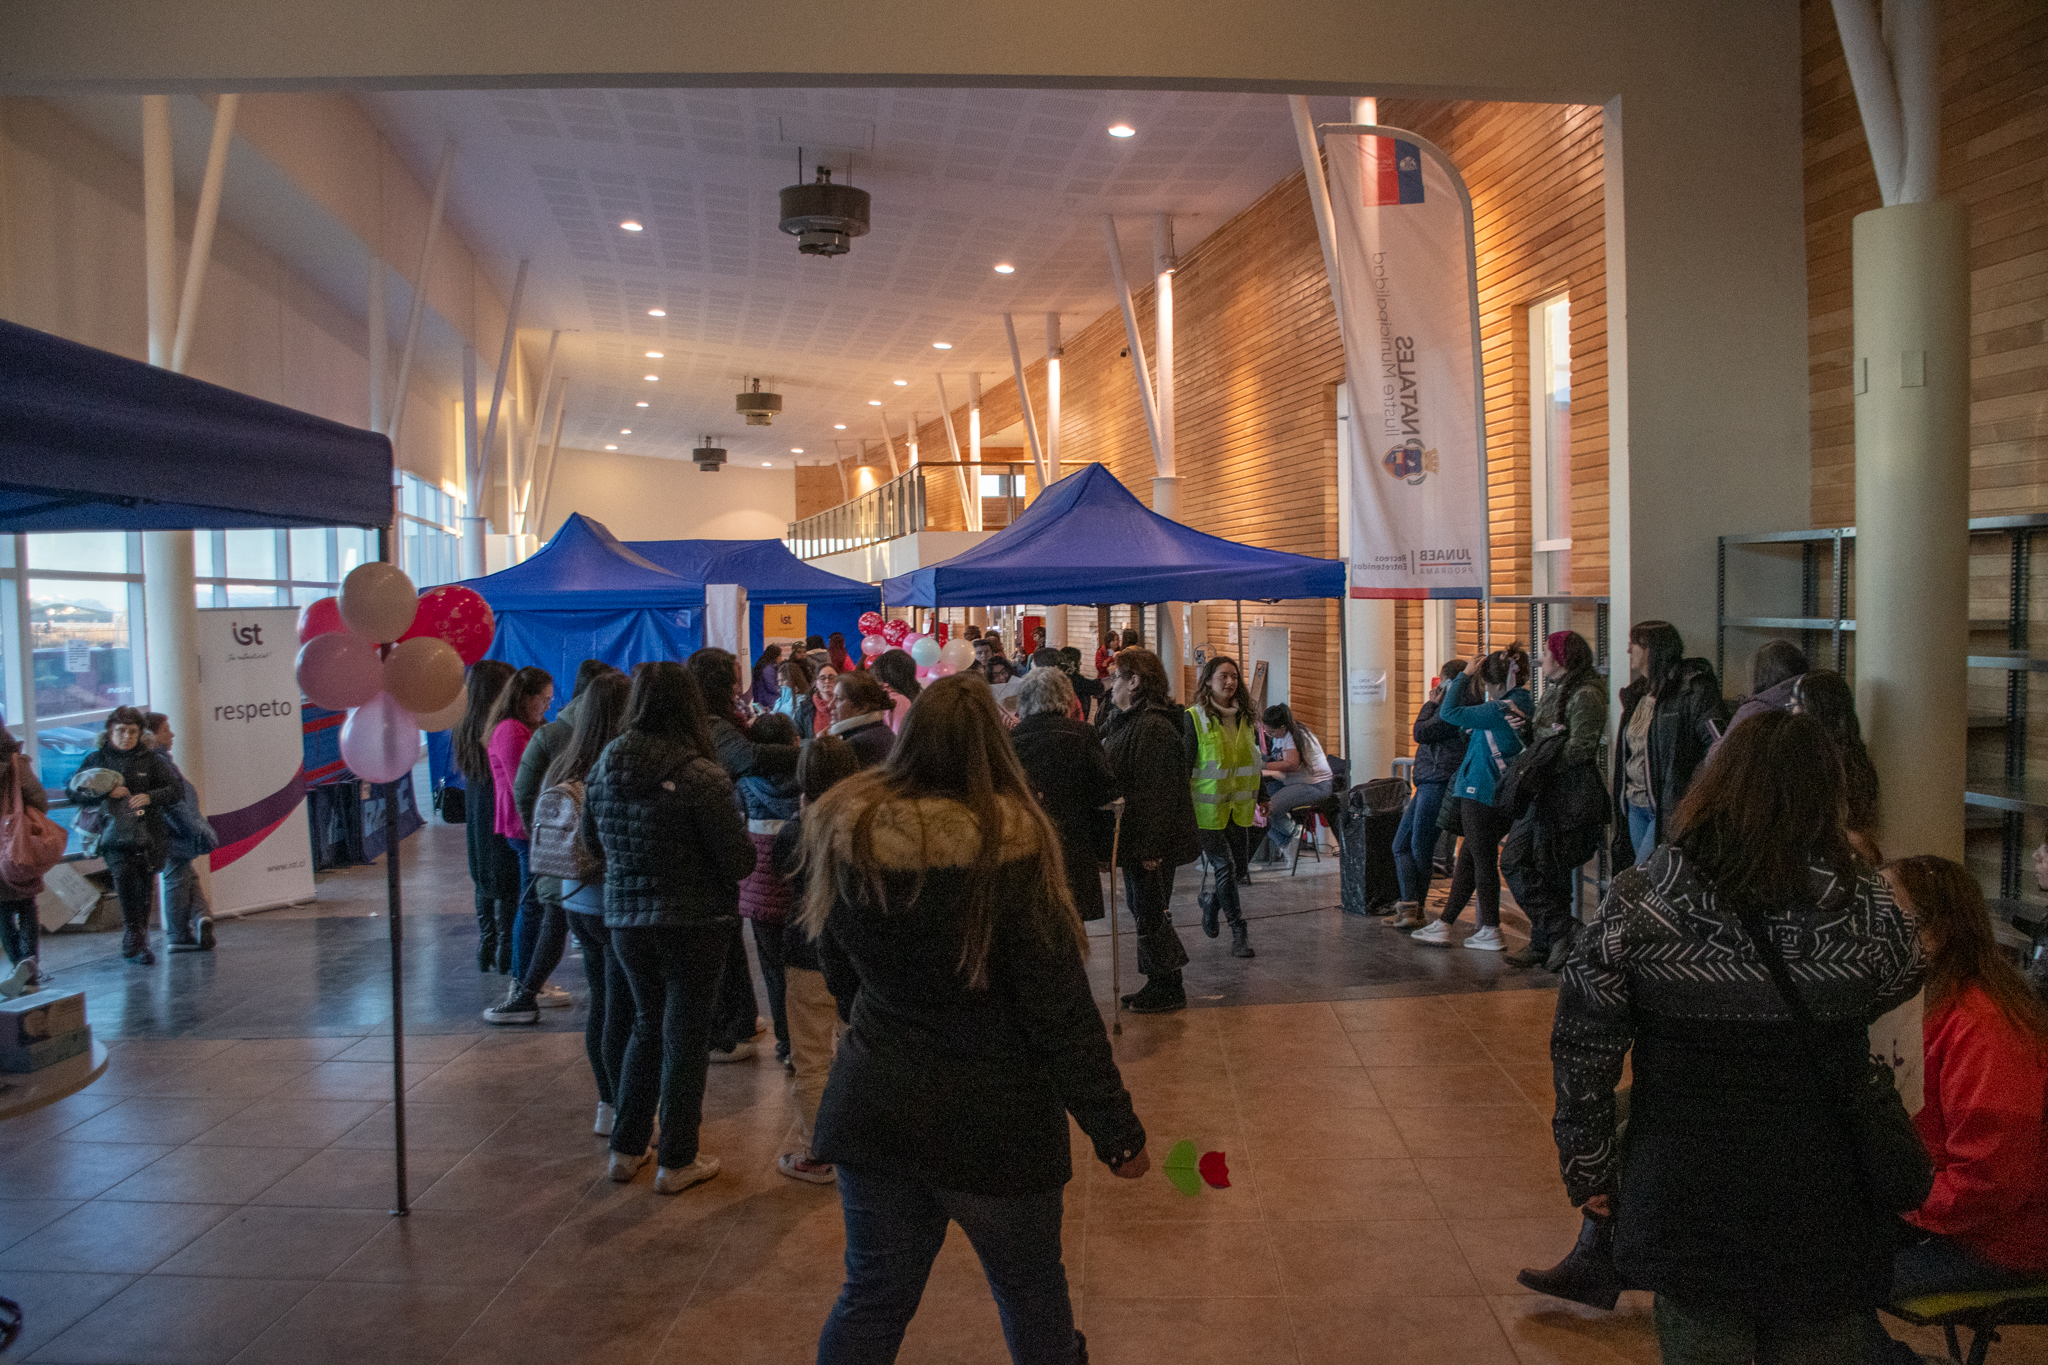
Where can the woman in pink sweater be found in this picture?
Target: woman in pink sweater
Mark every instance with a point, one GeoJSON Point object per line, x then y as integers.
{"type": "Point", "coordinates": [513, 719]}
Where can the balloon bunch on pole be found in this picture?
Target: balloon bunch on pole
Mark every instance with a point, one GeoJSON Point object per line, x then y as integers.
{"type": "Point", "coordinates": [393, 660]}
{"type": "Point", "coordinates": [934, 656]}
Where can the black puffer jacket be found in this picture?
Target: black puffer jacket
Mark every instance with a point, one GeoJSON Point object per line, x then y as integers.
{"type": "Point", "coordinates": [1439, 746]}
{"type": "Point", "coordinates": [145, 772]}
{"type": "Point", "coordinates": [1151, 767]}
{"type": "Point", "coordinates": [1071, 777]}
{"type": "Point", "coordinates": [742, 757]}
{"type": "Point", "coordinates": [1681, 736]}
{"type": "Point", "coordinates": [675, 845]}
{"type": "Point", "coordinates": [963, 1089]}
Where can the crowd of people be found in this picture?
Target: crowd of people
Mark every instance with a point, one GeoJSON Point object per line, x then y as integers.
{"type": "Point", "coordinates": [916, 862]}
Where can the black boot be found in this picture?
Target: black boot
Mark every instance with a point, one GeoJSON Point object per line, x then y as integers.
{"type": "Point", "coordinates": [135, 947]}
{"type": "Point", "coordinates": [487, 936]}
{"type": "Point", "coordinates": [1240, 940]}
{"type": "Point", "coordinates": [1162, 995]}
{"type": "Point", "coordinates": [1207, 900]}
{"type": "Point", "coordinates": [1585, 1276]}
{"type": "Point", "coordinates": [505, 911]}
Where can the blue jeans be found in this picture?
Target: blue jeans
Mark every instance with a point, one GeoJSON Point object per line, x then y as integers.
{"type": "Point", "coordinates": [525, 920]}
{"type": "Point", "coordinates": [1642, 831]}
{"type": "Point", "coordinates": [1415, 840]}
{"type": "Point", "coordinates": [183, 900]}
{"type": "Point", "coordinates": [895, 1225]}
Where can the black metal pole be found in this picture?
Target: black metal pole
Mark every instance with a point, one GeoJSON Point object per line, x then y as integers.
{"type": "Point", "coordinates": [392, 901]}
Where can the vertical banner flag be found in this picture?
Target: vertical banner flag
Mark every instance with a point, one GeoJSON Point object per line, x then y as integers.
{"type": "Point", "coordinates": [1405, 289]}
{"type": "Point", "coordinates": [255, 749]}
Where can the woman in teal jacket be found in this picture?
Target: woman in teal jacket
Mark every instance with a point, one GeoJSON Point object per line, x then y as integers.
{"type": "Point", "coordinates": [1496, 725]}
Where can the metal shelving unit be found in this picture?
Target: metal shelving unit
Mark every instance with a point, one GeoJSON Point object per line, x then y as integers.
{"type": "Point", "coordinates": [2004, 802]}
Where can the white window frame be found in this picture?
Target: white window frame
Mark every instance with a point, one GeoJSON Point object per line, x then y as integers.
{"type": "Point", "coordinates": [1549, 544]}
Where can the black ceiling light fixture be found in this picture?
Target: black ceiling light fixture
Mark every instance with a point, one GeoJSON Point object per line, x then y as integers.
{"type": "Point", "coordinates": [709, 458]}
{"type": "Point", "coordinates": [758, 408]}
{"type": "Point", "coordinates": [823, 217]}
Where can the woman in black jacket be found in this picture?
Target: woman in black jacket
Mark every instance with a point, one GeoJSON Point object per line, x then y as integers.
{"type": "Point", "coordinates": [860, 716]}
{"type": "Point", "coordinates": [1070, 776]}
{"type": "Point", "coordinates": [1439, 749]}
{"type": "Point", "coordinates": [133, 838]}
{"type": "Point", "coordinates": [675, 850]}
{"type": "Point", "coordinates": [493, 866]}
{"type": "Point", "coordinates": [1669, 714]}
{"type": "Point", "coordinates": [1142, 736]}
{"type": "Point", "coordinates": [938, 899]}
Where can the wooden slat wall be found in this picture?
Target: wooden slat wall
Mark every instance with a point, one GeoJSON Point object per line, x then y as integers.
{"type": "Point", "coordinates": [1994, 135]}
{"type": "Point", "coordinates": [1260, 361]}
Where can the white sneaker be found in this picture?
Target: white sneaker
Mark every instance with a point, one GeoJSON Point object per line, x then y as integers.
{"type": "Point", "coordinates": [606, 1116]}
{"type": "Point", "coordinates": [1487, 939]}
{"type": "Point", "coordinates": [676, 1179]}
{"type": "Point", "coordinates": [743, 1052]}
{"type": "Point", "coordinates": [20, 981]}
{"type": "Point", "coordinates": [1436, 932]}
{"type": "Point", "coordinates": [624, 1168]}
{"type": "Point", "coordinates": [553, 998]}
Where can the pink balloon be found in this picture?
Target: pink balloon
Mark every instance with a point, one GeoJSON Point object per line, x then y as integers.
{"type": "Point", "coordinates": [458, 615]}
{"type": "Point", "coordinates": [871, 645]}
{"type": "Point", "coordinates": [319, 618]}
{"type": "Point", "coordinates": [942, 669]}
{"type": "Point", "coordinates": [925, 675]}
{"type": "Point", "coordinates": [339, 670]}
{"type": "Point", "coordinates": [379, 740]}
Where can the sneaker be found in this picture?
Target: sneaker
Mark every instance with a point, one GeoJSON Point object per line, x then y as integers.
{"type": "Point", "coordinates": [553, 998]}
{"type": "Point", "coordinates": [606, 1116]}
{"type": "Point", "coordinates": [1437, 933]}
{"type": "Point", "coordinates": [1524, 957]}
{"type": "Point", "coordinates": [20, 981]}
{"type": "Point", "coordinates": [183, 945]}
{"type": "Point", "coordinates": [676, 1179]}
{"type": "Point", "coordinates": [797, 1166]}
{"type": "Point", "coordinates": [1486, 938]}
{"type": "Point", "coordinates": [1407, 915]}
{"type": "Point", "coordinates": [744, 1052]}
{"type": "Point", "coordinates": [204, 929]}
{"type": "Point", "coordinates": [518, 1008]}
{"type": "Point", "coordinates": [623, 1168]}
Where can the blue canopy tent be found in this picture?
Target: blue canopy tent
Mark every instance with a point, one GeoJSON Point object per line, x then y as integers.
{"type": "Point", "coordinates": [772, 576]}
{"type": "Point", "coordinates": [93, 441]}
{"type": "Point", "coordinates": [1086, 540]}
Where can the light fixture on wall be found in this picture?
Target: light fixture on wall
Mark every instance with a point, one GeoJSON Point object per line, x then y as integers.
{"type": "Point", "coordinates": [901, 383]}
{"type": "Point", "coordinates": [839, 426]}
{"type": "Point", "coordinates": [942, 345]}
{"type": "Point", "coordinates": [796, 450]}
{"type": "Point", "coordinates": [611, 447]}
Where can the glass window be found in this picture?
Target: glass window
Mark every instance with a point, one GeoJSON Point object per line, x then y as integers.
{"type": "Point", "coordinates": [1550, 445]}
{"type": "Point", "coordinates": [80, 551]}
{"type": "Point", "coordinates": [312, 555]}
{"type": "Point", "coordinates": [247, 595]}
{"type": "Point", "coordinates": [252, 554]}
{"type": "Point", "coordinates": [202, 555]}
{"type": "Point", "coordinates": [355, 546]}
{"type": "Point", "coordinates": [79, 640]}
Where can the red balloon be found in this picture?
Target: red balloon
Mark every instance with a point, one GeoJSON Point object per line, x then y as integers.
{"type": "Point", "coordinates": [942, 632]}
{"type": "Point", "coordinates": [896, 632]}
{"type": "Point", "coordinates": [870, 623]}
{"type": "Point", "coordinates": [320, 618]}
{"type": "Point", "coordinates": [456, 614]}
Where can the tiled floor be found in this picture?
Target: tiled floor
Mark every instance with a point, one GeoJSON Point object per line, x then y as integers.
{"type": "Point", "coordinates": [223, 1194]}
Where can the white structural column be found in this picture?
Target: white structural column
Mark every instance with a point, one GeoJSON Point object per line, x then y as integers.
{"type": "Point", "coordinates": [1055, 615]}
{"type": "Point", "coordinates": [170, 610]}
{"type": "Point", "coordinates": [1024, 400]}
{"type": "Point", "coordinates": [970, 504]}
{"type": "Point", "coordinates": [481, 450]}
{"type": "Point", "coordinates": [1911, 379]}
{"type": "Point", "coordinates": [1167, 631]}
{"type": "Point", "coordinates": [1371, 727]}
{"type": "Point", "coordinates": [203, 224]}
{"type": "Point", "coordinates": [419, 302]}
{"type": "Point", "coordinates": [472, 472]}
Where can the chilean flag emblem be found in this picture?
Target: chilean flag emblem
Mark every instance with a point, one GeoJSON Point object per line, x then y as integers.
{"type": "Point", "coordinates": [1390, 172]}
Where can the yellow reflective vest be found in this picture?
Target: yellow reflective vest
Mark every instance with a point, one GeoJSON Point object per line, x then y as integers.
{"type": "Point", "coordinates": [1226, 780]}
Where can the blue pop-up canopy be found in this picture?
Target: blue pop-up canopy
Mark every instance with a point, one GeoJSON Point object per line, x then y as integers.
{"type": "Point", "coordinates": [1087, 540]}
{"type": "Point", "coordinates": [585, 595]}
{"type": "Point", "coordinates": [93, 441]}
{"type": "Point", "coordinates": [772, 576]}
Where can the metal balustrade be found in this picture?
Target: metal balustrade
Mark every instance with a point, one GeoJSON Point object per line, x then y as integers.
{"type": "Point", "coordinates": [900, 507]}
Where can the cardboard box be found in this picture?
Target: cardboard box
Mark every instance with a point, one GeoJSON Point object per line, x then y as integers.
{"type": "Point", "coordinates": [30, 1019]}
{"type": "Point", "coordinates": [48, 1052]}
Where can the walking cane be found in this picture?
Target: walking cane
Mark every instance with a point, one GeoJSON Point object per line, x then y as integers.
{"type": "Point", "coordinates": [1116, 984]}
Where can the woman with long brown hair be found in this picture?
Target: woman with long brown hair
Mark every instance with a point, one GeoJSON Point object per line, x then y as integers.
{"type": "Point", "coordinates": [519, 710]}
{"type": "Point", "coordinates": [1740, 1201]}
{"type": "Point", "coordinates": [937, 894]}
{"type": "Point", "coordinates": [492, 865]}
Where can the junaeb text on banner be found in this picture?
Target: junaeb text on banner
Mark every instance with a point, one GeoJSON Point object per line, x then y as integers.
{"type": "Point", "coordinates": [1405, 285]}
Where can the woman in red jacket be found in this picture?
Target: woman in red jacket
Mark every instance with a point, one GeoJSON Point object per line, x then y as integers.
{"type": "Point", "coordinates": [1987, 1093]}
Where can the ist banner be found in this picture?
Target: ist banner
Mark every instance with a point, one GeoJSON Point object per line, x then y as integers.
{"type": "Point", "coordinates": [1405, 288]}
{"type": "Point", "coordinates": [255, 757]}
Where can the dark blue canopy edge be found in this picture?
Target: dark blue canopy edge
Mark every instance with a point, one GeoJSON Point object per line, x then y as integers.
{"type": "Point", "coordinates": [772, 576]}
{"type": "Point", "coordinates": [584, 567]}
{"type": "Point", "coordinates": [1087, 540]}
{"type": "Point", "coordinates": [93, 441]}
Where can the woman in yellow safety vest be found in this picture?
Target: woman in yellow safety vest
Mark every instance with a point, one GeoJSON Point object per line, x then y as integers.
{"type": "Point", "coordinates": [1223, 750]}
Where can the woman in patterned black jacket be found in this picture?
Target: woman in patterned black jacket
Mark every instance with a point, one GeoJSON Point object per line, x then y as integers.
{"type": "Point", "coordinates": [1734, 1192]}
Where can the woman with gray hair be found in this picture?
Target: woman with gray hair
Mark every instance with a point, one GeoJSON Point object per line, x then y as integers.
{"type": "Point", "coordinates": [1070, 775]}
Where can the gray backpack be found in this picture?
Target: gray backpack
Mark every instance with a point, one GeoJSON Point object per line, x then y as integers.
{"type": "Point", "coordinates": [557, 846]}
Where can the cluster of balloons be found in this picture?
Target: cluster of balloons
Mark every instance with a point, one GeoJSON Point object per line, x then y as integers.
{"type": "Point", "coordinates": [934, 655]}
{"type": "Point", "coordinates": [393, 660]}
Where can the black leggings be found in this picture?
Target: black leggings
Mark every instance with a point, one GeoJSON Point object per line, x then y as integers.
{"type": "Point", "coordinates": [1478, 862]}
{"type": "Point", "coordinates": [135, 885]}
{"type": "Point", "coordinates": [19, 929]}
{"type": "Point", "coordinates": [610, 1024]}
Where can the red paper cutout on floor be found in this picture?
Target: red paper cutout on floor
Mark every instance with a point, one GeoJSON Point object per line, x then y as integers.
{"type": "Point", "coordinates": [1215, 1170]}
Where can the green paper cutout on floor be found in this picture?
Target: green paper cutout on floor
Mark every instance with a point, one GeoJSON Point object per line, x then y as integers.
{"type": "Point", "coordinates": [1180, 1168]}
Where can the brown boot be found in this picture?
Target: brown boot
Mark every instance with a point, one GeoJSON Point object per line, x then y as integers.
{"type": "Point", "coordinates": [1407, 916]}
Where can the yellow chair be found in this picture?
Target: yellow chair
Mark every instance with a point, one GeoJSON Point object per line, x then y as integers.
{"type": "Point", "coordinates": [1983, 1311]}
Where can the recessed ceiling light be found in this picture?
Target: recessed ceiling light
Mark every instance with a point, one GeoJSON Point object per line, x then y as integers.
{"type": "Point", "coordinates": [902, 383]}
{"type": "Point", "coordinates": [942, 345]}
{"type": "Point", "coordinates": [874, 402]}
{"type": "Point", "coordinates": [839, 426]}
{"type": "Point", "coordinates": [625, 431]}
{"type": "Point", "coordinates": [641, 404]}
{"type": "Point", "coordinates": [653, 379]}
{"type": "Point", "coordinates": [796, 450]}
{"type": "Point", "coordinates": [767, 464]}
{"type": "Point", "coordinates": [1122, 130]}
{"type": "Point", "coordinates": [630, 225]}
{"type": "Point", "coordinates": [611, 447]}
{"type": "Point", "coordinates": [657, 312]}
{"type": "Point", "coordinates": [1005, 268]}
{"type": "Point", "coordinates": [654, 355]}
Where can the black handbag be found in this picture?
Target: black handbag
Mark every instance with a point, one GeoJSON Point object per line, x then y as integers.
{"type": "Point", "coordinates": [1897, 1174]}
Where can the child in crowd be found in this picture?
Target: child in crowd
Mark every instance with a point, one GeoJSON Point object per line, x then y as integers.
{"type": "Point", "coordinates": [764, 897]}
{"type": "Point", "coordinates": [814, 1018]}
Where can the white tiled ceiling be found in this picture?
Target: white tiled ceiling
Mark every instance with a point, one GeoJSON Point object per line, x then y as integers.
{"type": "Point", "coordinates": [961, 179]}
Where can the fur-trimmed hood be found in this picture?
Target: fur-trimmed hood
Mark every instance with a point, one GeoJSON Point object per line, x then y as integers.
{"type": "Point", "coordinates": [935, 831]}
